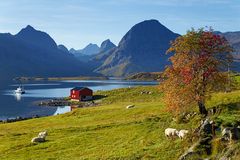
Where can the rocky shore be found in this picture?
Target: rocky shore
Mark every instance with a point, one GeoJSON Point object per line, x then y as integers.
{"type": "Point", "coordinates": [65, 102]}
{"type": "Point", "coordinates": [19, 118]}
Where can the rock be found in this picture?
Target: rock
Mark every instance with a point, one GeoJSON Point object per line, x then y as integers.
{"type": "Point", "coordinates": [230, 134]}
{"type": "Point", "coordinates": [190, 152]}
{"type": "Point", "coordinates": [205, 128]}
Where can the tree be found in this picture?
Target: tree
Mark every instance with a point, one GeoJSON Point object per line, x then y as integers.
{"type": "Point", "coordinates": [198, 67]}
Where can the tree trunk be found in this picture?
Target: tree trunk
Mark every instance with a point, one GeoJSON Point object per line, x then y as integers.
{"type": "Point", "coordinates": [202, 108]}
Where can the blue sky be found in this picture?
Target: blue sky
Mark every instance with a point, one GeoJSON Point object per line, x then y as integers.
{"type": "Point", "coordinates": [75, 23]}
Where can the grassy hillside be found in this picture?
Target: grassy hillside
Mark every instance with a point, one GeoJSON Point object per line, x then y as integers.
{"type": "Point", "coordinates": [145, 76]}
{"type": "Point", "coordinates": [109, 131]}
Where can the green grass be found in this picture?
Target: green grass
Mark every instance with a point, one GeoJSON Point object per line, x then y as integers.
{"type": "Point", "coordinates": [237, 80]}
{"type": "Point", "coordinates": [108, 131]}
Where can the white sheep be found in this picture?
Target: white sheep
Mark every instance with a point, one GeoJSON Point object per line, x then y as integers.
{"type": "Point", "coordinates": [130, 106]}
{"type": "Point", "coordinates": [182, 133]}
{"type": "Point", "coordinates": [171, 132]}
{"type": "Point", "coordinates": [38, 139]}
{"type": "Point", "coordinates": [43, 134]}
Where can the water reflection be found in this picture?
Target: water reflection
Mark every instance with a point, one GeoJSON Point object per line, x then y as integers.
{"type": "Point", "coordinates": [62, 109]}
{"type": "Point", "coordinates": [18, 96]}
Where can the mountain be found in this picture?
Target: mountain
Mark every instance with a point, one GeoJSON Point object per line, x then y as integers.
{"type": "Point", "coordinates": [73, 51]}
{"type": "Point", "coordinates": [92, 52]}
{"type": "Point", "coordinates": [90, 49]}
{"type": "Point", "coordinates": [234, 39]}
{"type": "Point", "coordinates": [35, 53]}
{"type": "Point", "coordinates": [63, 48]}
{"type": "Point", "coordinates": [36, 38]}
{"type": "Point", "coordinates": [106, 45]}
{"type": "Point", "coordinates": [86, 53]}
{"type": "Point", "coordinates": [142, 49]}
{"type": "Point", "coordinates": [105, 51]}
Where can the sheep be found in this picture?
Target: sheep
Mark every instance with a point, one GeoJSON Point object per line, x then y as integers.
{"type": "Point", "coordinates": [38, 140]}
{"type": "Point", "coordinates": [182, 133]}
{"type": "Point", "coordinates": [43, 134]}
{"type": "Point", "coordinates": [130, 106]}
{"type": "Point", "coordinates": [171, 132]}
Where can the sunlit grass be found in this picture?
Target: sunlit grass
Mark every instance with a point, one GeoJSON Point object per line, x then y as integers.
{"type": "Point", "coordinates": [108, 131]}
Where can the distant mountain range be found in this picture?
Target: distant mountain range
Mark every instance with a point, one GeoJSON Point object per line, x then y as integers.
{"type": "Point", "coordinates": [91, 50]}
{"type": "Point", "coordinates": [142, 49]}
{"type": "Point", "coordinates": [35, 53]}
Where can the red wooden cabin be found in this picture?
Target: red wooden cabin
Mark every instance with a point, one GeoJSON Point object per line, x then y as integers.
{"type": "Point", "coordinates": [81, 94]}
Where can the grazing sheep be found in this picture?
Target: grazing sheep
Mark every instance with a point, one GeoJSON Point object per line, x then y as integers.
{"type": "Point", "coordinates": [182, 133]}
{"type": "Point", "coordinates": [130, 106]}
{"type": "Point", "coordinates": [38, 140]}
{"type": "Point", "coordinates": [43, 134]}
{"type": "Point", "coordinates": [171, 132]}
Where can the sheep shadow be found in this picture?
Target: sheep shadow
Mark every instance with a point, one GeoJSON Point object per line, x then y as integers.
{"type": "Point", "coordinates": [98, 97]}
{"type": "Point", "coordinates": [38, 143]}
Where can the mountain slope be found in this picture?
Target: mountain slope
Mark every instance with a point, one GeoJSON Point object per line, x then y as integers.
{"type": "Point", "coordinates": [106, 49]}
{"type": "Point", "coordinates": [36, 38]}
{"type": "Point", "coordinates": [35, 53]}
{"type": "Point", "coordinates": [142, 49]}
{"type": "Point", "coordinates": [106, 46]}
{"type": "Point", "coordinates": [234, 39]}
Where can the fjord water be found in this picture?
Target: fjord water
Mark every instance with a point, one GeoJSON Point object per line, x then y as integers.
{"type": "Point", "coordinates": [12, 105]}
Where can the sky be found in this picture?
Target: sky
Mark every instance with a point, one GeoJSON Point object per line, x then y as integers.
{"type": "Point", "coordinates": [76, 23]}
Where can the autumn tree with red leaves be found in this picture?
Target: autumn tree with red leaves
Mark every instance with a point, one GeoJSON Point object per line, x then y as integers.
{"type": "Point", "coordinates": [197, 69]}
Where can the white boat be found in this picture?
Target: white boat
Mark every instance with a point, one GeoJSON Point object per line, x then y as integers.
{"type": "Point", "coordinates": [20, 90]}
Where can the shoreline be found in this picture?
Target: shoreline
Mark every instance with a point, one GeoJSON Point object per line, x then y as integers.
{"type": "Point", "coordinates": [145, 76]}
{"type": "Point", "coordinates": [60, 78]}
{"type": "Point", "coordinates": [52, 103]}
{"type": "Point", "coordinates": [20, 118]}
{"type": "Point", "coordinates": [60, 102]}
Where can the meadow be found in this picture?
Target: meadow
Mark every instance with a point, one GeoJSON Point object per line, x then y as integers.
{"type": "Point", "coordinates": [109, 130]}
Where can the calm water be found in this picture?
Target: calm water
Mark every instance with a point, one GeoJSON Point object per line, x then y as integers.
{"type": "Point", "coordinates": [12, 106]}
